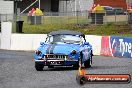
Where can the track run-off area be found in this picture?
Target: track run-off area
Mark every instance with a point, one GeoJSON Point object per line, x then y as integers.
{"type": "Point", "coordinates": [17, 71]}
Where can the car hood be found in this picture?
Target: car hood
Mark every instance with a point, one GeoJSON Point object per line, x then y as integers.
{"type": "Point", "coordinates": [60, 48]}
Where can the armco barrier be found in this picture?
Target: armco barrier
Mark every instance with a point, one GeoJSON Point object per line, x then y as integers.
{"type": "Point", "coordinates": [116, 46]}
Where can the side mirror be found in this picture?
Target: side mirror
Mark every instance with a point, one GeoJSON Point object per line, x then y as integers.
{"type": "Point", "coordinates": [41, 43]}
{"type": "Point", "coordinates": [86, 43]}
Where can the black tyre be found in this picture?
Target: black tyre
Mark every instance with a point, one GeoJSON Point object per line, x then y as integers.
{"type": "Point", "coordinates": [79, 63]}
{"type": "Point", "coordinates": [76, 66]}
{"type": "Point", "coordinates": [88, 62]}
{"type": "Point", "coordinates": [39, 67]}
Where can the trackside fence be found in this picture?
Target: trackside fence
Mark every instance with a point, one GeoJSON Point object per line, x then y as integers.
{"type": "Point", "coordinates": [74, 17]}
{"type": "Point", "coordinates": [78, 17]}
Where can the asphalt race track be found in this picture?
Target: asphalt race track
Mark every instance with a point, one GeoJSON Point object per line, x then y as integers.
{"type": "Point", "coordinates": [17, 71]}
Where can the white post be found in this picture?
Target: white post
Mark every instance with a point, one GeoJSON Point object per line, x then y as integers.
{"type": "Point", "coordinates": [39, 4]}
{"type": "Point", "coordinates": [6, 28]}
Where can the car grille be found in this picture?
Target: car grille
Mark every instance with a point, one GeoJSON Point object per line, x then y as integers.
{"type": "Point", "coordinates": [54, 56]}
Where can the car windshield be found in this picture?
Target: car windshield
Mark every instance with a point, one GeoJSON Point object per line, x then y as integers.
{"type": "Point", "coordinates": [69, 39]}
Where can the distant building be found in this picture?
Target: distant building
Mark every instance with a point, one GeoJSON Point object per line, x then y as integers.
{"type": "Point", "coordinates": [58, 5]}
{"type": "Point", "coordinates": [69, 5]}
{"type": "Point", "coordinates": [113, 3]}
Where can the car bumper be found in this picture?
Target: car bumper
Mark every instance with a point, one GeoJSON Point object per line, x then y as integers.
{"type": "Point", "coordinates": [57, 62]}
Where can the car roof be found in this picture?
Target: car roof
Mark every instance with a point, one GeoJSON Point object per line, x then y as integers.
{"type": "Point", "coordinates": [65, 32]}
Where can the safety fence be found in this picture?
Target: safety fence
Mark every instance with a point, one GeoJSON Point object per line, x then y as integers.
{"type": "Point", "coordinates": [78, 17]}
{"type": "Point", "coordinates": [60, 18]}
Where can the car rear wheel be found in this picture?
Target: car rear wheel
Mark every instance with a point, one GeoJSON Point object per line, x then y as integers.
{"type": "Point", "coordinates": [39, 67]}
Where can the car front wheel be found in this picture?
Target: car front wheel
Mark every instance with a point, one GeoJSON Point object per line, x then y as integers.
{"type": "Point", "coordinates": [79, 63]}
{"type": "Point", "coordinates": [39, 67]}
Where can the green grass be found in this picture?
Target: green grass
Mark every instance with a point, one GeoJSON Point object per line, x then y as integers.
{"type": "Point", "coordinates": [104, 30]}
{"type": "Point", "coordinates": [55, 23]}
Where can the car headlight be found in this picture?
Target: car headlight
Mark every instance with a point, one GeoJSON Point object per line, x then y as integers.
{"type": "Point", "coordinates": [38, 52]}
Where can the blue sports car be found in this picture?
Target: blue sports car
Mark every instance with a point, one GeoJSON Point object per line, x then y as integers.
{"type": "Point", "coordinates": [63, 48]}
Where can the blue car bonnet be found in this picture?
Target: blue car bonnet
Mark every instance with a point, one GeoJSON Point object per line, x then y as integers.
{"type": "Point", "coordinates": [60, 48]}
